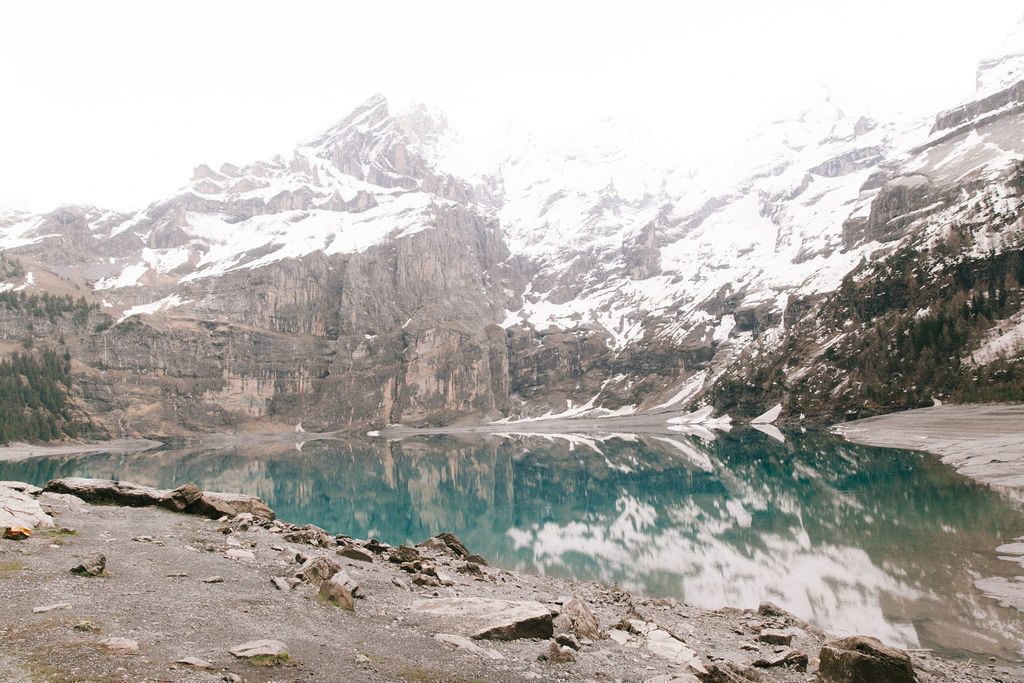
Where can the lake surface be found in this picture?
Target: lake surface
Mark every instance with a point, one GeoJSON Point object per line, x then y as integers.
{"type": "Point", "coordinates": [852, 538]}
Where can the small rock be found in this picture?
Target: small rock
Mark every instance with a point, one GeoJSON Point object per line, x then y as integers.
{"type": "Point", "coordinates": [421, 579]}
{"type": "Point", "coordinates": [91, 566]}
{"type": "Point", "coordinates": [318, 569]}
{"type": "Point", "coordinates": [770, 609]}
{"type": "Point", "coordinates": [239, 555]}
{"type": "Point", "coordinates": [257, 648]}
{"type": "Point", "coordinates": [196, 662]}
{"type": "Point", "coordinates": [788, 658]}
{"type": "Point", "coordinates": [177, 575]}
{"type": "Point", "coordinates": [576, 618]}
{"type": "Point", "coordinates": [558, 654]}
{"type": "Point", "coordinates": [775, 636]}
{"type": "Point", "coordinates": [861, 658]}
{"type": "Point", "coordinates": [476, 559]}
{"type": "Point", "coordinates": [749, 646]}
{"type": "Point", "coordinates": [444, 578]}
{"type": "Point", "coordinates": [213, 579]}
{"type": "Point", "coordinates": [341, 588]}
{"type": "Point", "coordinates": [618, 635]}
{"type": "Point", "coordinates": [470, 568]}
{"type": "Point", "coordinates": [50, 608]}
{"type": "Point", "coordinates": [454, 544]}
{"type": "Point", "coordinates": [280, 583]}
{"type": "Point", "coordinates": [469, 645]}
{"type": "Point", "coordinates": [403, 553]}
{"type": "Point", "coordinates": [289, 555]}
{"type": "Point", "coordinates": [401, 584]}
{"type": "Point", "coordinates": [353, 552]}
{"type": "Point", "coordinates": [231, 678]}
{"type": "Point", "coordinates": [123, 646]}
{"type": "Point", "coordinates": [434, 543]}
{"type": "Point", "coordinates": [362, 659]}
{"type": "Point", "coordinates": [568, 640]}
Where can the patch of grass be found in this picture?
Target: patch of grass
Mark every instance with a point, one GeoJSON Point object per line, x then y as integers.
{"type": "Point", "coordinates": [61, 531]}
{"type": "Point", "coordinates": [270, 660]}
{"type": "Point", "coordinates": [11, 566]}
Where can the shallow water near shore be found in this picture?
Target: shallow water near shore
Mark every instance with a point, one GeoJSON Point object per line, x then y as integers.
{"type": "Point", "coordinates": [854, 539]}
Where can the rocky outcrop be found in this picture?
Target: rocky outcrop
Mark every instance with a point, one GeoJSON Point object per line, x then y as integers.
{"type": "Point", "coordinates": [862, 658]}
{"type": "Point", "coordinates": [187, 498]}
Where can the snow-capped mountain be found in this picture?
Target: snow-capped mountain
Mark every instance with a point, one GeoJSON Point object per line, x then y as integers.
{"type": "Point", "coordinates": [390, 270]}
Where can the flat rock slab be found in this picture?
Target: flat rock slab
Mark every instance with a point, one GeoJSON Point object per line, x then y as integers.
{"type": "Point", "coordinates": [124, 646]}
{"type": "Point", "coordinates": [492, 619]}
{"type": "Point", "coordinates": [187, 498]}
{"type": "Point", "coordinates": [19, 507]}
{"type": "Point", "coordinates": [466, 644]}
{"type": "Point", "coordinates": [260, 648]}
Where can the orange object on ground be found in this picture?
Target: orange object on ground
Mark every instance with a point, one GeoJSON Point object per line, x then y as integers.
{"type": "Point", "coordinates": [17, 533]}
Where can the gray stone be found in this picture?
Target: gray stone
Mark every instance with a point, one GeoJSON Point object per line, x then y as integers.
{"type": "Point", "coordinates": [559, 654]}
{"type": "Point", "coordinates": [576, 618]}
{"type": "Point", "coordinates": [91, 566]}
{"type": "Point", "coordinates": [258, 648]}
{"type": "Point", "coordinates": [340, 588]}
{"type": "Point", "coordinates": [50, 608]}
{"type": "Point", "coordinates": [568, 640]}
{"type": "Point", "coordinates": [354, 552]}
{"type": "Point", "coordinates": [123, 646]}
{"type": "Point", "coordinates": [213, 579]}
{"type": "Point", "coordinates": [787, 657]}
{"type": "Point", "coordinates": [318, 569]}
{"type": "Point", "coordinates": [492, 619]}
{"type": "Point", "coordinates": [467, 644]}
{"type": "Point", "coordinates": [403, 554]}
{"type": "Point", "coordinates": [196, 662]}
{"type": "Point", "coordinates": [861, 658]}
{"type": "Point", "coordinates": [775, 636]}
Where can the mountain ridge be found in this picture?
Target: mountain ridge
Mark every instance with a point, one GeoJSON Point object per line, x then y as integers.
{"type": "Point", "coordinates": [386, 288]}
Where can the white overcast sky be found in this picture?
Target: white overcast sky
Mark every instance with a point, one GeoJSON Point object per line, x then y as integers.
{"type": "Point", "coordinates": [113, 103]}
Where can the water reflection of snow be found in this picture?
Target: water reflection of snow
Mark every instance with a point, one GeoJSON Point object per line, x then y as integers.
{"type": "Point", "coordinates": [826, 584]}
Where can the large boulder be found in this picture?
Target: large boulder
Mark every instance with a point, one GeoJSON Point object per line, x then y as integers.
{"type": "Point", "coordinates": [105, 491]}
{"type": "Point", "coordinates": [492, 619]}
{"type": "Point", "coordinates": [188, 498]}
{"type": "Point", "coordinates": [19, 508]}
{"type": "Point", "coordinates": [859, 659]}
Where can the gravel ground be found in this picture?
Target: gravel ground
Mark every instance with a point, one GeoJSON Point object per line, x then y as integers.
{"type": "Point", "coordinates": [153, 592]}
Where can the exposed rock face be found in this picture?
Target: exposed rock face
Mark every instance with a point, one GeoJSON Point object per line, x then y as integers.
{"type": "Point", "coordinates": [186, 498]}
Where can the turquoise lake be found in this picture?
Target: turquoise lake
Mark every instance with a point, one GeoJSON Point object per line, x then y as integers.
{"type": "Point", "coordinates": [851, 538]}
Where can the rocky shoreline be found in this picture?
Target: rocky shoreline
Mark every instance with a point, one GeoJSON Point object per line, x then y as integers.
{"type": "Point", "coordinates": [187, 585]}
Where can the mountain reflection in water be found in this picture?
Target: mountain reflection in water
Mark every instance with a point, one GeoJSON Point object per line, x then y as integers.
{"type": "Point", "coordinates": [853, 539]}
